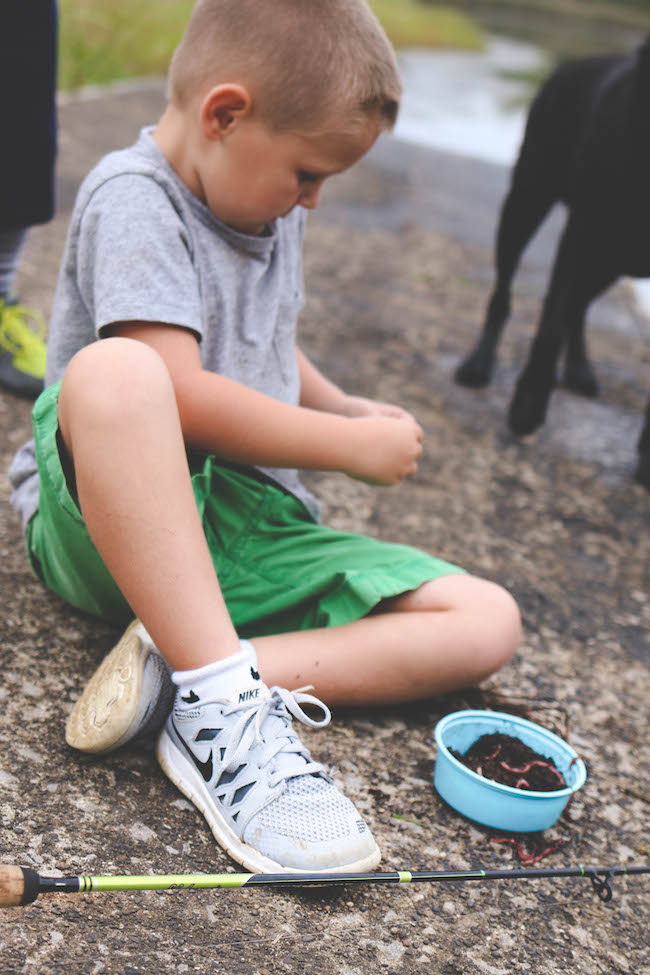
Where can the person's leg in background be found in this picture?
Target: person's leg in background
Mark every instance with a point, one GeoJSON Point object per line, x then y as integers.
{"type": "Point", "coordinates": [28, 63]}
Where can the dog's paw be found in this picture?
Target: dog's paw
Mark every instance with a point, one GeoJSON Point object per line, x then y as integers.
{"type": "Point", "coordinates": [580, 378]}
{"type": "Point", "coordinates": [475, 371]}
{"type": "Point", "coordinates": [528, 407]}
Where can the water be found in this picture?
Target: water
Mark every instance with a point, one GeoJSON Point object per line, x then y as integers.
{"type": "Point", "coordinates": [475, 104]}
{"type": "Point", "coordinates": [467, 102]}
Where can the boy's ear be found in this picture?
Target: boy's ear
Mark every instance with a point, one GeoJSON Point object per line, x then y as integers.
{"type": "Point", "coordinates": [222, 108]}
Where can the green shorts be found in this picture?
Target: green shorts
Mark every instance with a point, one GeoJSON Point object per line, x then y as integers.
{"type": "Point", "coordinates": [279, 570]}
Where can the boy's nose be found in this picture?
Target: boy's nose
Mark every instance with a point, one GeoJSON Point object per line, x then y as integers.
{"type": "Point", "coordinates": [309, 197]}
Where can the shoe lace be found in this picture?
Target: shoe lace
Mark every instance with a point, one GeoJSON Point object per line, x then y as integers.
{"type": "Point", "coordinates": [268, 723]}
{"type": "Point", "coordinates": [22, 333]}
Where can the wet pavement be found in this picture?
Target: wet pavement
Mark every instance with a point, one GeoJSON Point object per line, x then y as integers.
{"type": "Point", "coordinates": [398, 265]}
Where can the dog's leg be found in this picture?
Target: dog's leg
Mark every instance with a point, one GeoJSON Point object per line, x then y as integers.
{"type": "Point", "coordinates": [523, 211]}
{"type": "Point", "coordinates": [538, 181]}
{"type": "Point", "coordinates": [579, 375]}
{"type": "Point", "coordinates": [530, 401]}
{"type": "Point", "coordinates": [596, 277]}
{"type": "Point", "coordinates": [642, 474]}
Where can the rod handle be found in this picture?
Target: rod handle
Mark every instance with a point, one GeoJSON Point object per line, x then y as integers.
{"type": "Point", "coordinates": [18, 885]}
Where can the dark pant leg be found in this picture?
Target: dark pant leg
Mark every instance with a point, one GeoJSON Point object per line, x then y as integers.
{"type": "Point", "coordinates": [28, 48]}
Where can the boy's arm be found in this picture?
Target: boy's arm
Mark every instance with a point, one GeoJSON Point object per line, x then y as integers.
{"type": "Point", "coordinates": [319, 393]}
{"type": "Point", "coordinates": [239, 424]}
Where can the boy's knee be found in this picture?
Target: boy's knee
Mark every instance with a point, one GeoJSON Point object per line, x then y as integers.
{"type": "Point", "coordinates": [116, 373]}
{"type": "Point", "coordinates": [499, 627]}
{"type": "Point", "coordinates": [116, 360]}
{"type": "Point", "coordinates": [490, 623]}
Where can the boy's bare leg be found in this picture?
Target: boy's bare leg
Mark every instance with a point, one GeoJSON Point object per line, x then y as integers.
{"type": "Point", "coordinates": [450, 633]}
{"type": "Point", "coordinates": [230, 748]}
{"type": "Point", "coordinates": [119, 420]}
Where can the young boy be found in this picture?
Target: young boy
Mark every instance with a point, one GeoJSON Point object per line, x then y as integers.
{"type": "Point", "coordinates": [166, 487]}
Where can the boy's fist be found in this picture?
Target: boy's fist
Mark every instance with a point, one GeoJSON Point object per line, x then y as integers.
{"type": "Point", "coordinates": [383, 450]}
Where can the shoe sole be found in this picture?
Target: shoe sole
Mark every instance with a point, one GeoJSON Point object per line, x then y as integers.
{"type": "Point", "coordinates": [102, 717]}
{"type": "Point", "coordinates": [18, 382]}
{"type": "Point", "coordinates": [186, 778]}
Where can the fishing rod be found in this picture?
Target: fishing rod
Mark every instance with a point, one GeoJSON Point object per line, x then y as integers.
{"type": "Point", "coordinates": [22, 885]}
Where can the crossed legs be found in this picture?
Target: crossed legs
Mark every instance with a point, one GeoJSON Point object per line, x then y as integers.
{"type": "Point", "coordinates": [120, 425]}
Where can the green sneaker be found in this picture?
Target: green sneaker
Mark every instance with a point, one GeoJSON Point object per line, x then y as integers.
{"type": "Point", "coordinates": [22, 349]}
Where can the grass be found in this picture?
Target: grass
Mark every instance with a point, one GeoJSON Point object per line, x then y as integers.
{"type": "Point", "coordinates": [413, 23]}
{"type": "Point", "coordinates": [116, 39]}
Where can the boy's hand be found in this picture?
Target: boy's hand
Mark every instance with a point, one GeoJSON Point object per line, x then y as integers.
{"type": "Point", "coordinates": [385, 448]}
{"type": "Point", "coordinates": [360, 406]}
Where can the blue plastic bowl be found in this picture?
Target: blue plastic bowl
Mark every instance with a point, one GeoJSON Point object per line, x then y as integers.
{"type": "Point", "coordinates": [490, 803]}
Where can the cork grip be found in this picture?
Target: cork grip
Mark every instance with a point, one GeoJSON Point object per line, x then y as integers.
{"type": "Point", "coordinates": [18, 886]}
{"type": "Point", "coordinates": [12, 886]}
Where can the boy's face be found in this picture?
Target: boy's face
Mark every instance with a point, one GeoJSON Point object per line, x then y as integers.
{"type": "Point", "coordinates": [254, 174]}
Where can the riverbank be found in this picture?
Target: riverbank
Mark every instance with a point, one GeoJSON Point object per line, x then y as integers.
{"type": "Point", "coordinates": [629, 14]}
{"type": "Point", "coordinates": [563, 29]}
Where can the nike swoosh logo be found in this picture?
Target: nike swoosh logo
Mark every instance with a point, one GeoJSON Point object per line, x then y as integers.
{"type": "Point", "coordinates": [205, 768]}
{"type": "Point", "coordinates": [191, 698]}
{"type": "Point", "coordinates": [254, 674]}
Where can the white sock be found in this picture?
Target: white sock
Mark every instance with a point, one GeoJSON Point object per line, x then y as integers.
{"type": "Point", "coordinates": [234, 678]}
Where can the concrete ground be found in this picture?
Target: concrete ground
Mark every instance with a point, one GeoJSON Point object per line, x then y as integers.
{"type": "Point", "coordinates": [398, 265]}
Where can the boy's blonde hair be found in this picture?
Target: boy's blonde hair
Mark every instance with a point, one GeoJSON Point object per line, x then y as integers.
{"type": "Point", "coordinates": [309, 64]}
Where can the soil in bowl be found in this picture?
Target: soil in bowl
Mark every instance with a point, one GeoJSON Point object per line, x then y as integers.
{"type": "Point", "coordinates": [509, 761]}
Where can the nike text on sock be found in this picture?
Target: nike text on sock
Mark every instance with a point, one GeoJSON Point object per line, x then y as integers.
{"type": "Point", "coordinates": [235, 678]}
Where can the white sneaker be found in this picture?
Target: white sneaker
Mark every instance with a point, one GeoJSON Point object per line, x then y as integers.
{"type": "Point", "coordinates": [129, 696]}
{"type": "Point", "coordinates": [268, 804]}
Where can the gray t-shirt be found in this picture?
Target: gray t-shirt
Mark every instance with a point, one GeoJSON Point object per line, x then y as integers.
{"type": "Point", "coordinates": [142, 247]}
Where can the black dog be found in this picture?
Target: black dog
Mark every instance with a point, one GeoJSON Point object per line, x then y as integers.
{"type": "Point", "coordinates": [587, 143]}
